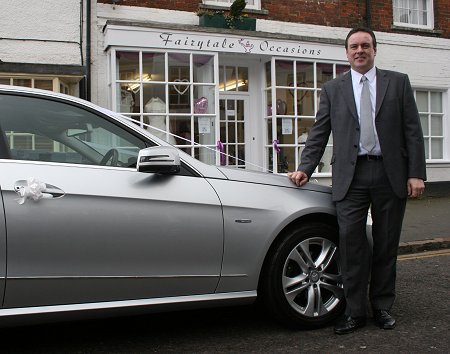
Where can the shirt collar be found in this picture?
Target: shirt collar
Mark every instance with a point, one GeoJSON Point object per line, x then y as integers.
{"type": "Point", "coordinates": [370, 75]}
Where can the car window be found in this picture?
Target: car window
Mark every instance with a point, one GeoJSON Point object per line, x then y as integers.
{"type": "Point", "coordinates": [41, 129]}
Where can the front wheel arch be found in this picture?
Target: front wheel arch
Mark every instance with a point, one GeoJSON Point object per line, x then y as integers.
{"type": "Point", "coordinates": [300, 282]}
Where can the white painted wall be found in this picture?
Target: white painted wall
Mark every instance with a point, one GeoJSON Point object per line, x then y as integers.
{"type": "Point", "coordinates": [42, 32]}
{"type": "Point", "coordinates": [134, 13]}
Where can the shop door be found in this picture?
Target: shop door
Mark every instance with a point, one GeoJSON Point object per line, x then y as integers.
{"type": "Point", "coordinates": [233, 138]}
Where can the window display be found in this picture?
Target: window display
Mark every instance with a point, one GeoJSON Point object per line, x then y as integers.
{"type": "Point", "coordinates": [165, 90]}
{"type": "Point", "coordinates": [296, 95]}
{"type": "Point", "coordinates": [157, 105]}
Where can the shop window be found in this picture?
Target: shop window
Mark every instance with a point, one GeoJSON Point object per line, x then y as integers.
{"type": "Point", "coordinates": [292, 102]}
{"type": "Point", "coordinates": [170, 94]}
{"type": "Point", "coordinates": [433, 120]}
{"type": "Point", "coordinates": [413, 13]}
{"type": "Point", "coordinates": [251, 4]}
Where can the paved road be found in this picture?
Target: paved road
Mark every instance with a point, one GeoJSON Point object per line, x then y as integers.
{"type": "Point", "coordinates": [422, 311]}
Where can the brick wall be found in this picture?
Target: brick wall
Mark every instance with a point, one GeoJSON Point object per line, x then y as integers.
{"type": "Point", "coordinates": [335, 13]}
{"type": "Point", "coordinates": [181, 5]}
{"type": "Point", "coordinates": [442, 17]}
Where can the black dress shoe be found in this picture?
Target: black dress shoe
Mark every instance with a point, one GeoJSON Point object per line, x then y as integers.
{"type": "Point", "coordinates": [349, 324]}
{"type": "Point", "coordinates": [384, 319]}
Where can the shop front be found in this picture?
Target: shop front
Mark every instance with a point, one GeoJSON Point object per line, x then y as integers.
{"type": "Point", "coordinates": [226, 99]}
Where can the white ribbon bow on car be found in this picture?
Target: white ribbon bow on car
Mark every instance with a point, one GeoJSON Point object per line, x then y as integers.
{"type": "Point", "coordinates": [33, 190]}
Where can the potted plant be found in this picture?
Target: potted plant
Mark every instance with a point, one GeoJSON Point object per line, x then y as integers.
{"type": "Point", "coordinates": [209, 18]}
{"type": "Point", "coordinates": [234, 19]}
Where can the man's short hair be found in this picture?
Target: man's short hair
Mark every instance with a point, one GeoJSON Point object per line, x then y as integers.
{"type": "Point", "coordinates": [361, 29]}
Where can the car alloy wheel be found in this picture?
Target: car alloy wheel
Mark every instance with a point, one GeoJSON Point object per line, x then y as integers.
{"type": "Point", "coordinates": [302, 285]}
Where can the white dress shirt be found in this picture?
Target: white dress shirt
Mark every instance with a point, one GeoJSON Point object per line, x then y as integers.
{"type": "Point", "coordinates": [357, 87]}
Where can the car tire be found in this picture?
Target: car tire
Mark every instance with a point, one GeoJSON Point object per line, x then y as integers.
{"type": "Point", "coordinates": [302, 283]}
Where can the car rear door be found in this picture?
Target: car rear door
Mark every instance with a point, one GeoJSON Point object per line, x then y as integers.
{"type": "Point", "coordinates": [99, 233]}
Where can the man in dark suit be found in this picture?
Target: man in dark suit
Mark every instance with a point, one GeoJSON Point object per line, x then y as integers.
{"type": "Point", "coordinates": [379, 174]}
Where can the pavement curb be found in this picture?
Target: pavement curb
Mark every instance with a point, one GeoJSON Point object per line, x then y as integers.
{"type": "Point", "coordinates": [424, 245]}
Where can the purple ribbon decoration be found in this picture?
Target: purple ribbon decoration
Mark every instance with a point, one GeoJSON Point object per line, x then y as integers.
{"type": "Point", "coordinates": [275, 146]}
{"type": "Point", "coordinates": [221, 148]}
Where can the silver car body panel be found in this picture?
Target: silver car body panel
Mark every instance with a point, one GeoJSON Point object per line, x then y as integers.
{"type": "Point", "coordinates": [266, 210]}
{"type": "Point", "coordinates": [119, 234]}
{"type": "Point", "coordinates": [235, 174]}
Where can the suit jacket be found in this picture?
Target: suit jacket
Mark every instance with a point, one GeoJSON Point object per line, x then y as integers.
{"type": "Point", "coordinates": [398, 127]}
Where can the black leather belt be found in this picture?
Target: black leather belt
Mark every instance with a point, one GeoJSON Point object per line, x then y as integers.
{"type": "Point", "coordinates": [370, 157]}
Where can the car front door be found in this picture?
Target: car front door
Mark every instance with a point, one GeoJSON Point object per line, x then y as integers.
{"type": "Point", "coordinates": [85, 228]}
{"type": "Point", "coordinates": [2, 249]}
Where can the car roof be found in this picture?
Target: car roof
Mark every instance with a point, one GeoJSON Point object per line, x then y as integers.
{"type": "Point", "coordinates": [36, 91]}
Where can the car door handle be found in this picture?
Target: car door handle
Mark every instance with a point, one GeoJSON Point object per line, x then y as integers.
{"type": "Point", "coordinates": [32, 188]}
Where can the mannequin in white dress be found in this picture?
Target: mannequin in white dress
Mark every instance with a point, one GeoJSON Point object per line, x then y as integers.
{"type": "Point", "coordinates": [157, 105]}
{"type": "Point", "coordinates": [301, 140]}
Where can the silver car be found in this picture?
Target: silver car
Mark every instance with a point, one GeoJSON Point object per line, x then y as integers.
{"type": "Point", "coordinates": [100, 217]}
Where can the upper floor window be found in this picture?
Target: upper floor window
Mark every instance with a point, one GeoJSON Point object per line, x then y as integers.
{"type": "Point", "coordinates": [251, 4]}
{"type": "Point", "coordinates": [413, 13]}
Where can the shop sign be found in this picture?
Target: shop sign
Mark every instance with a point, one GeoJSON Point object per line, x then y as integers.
{"type": "Point", "coordinates": [164, 39]}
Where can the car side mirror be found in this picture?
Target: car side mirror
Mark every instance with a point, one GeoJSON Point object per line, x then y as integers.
{"type": "Point", "coordinates": [159, 159]}
{"type": "Point", "coordinates": [75, 132]}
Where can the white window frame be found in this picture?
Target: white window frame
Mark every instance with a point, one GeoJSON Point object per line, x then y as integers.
{"type": "Point", "coordinates": [57, 84]}
{"type": "Point", "coordinates": [272, 116]}
{"type": "Point", "coordinates": [427, 115]}
{"type": "Point", "coordinates": [398, 5]}
{"type": "Point", "coordinates": [206, 150]}
{"type": "Point", "coordinates": [227, 3]}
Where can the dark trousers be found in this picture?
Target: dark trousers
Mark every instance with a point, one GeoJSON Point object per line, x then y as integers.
{"type": "Point", "coordinates": [370, 188]}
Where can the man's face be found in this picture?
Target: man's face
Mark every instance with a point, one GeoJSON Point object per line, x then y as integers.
{"type": "Point", "coordinates": [360, 52]}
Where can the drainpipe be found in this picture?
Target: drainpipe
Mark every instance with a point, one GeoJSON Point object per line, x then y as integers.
{"type": "Point", "coordinates": [368, 14]}
{"type": "Point", "coordinates": [88, 50]}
